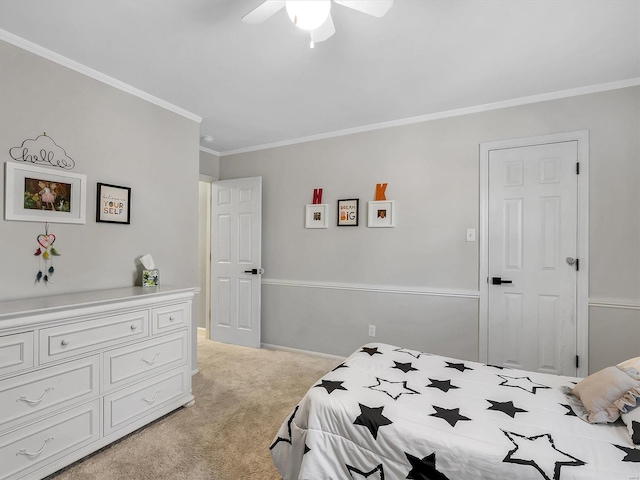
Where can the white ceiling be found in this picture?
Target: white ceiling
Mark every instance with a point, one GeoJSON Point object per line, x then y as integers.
{"type": "Point", "coordinates": [261, 84]}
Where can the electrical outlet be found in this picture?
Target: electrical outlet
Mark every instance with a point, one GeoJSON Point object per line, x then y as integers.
{"type": "Point", "coordinates": [471, 234]}
{"type": "Point", "coordinates": [372, 330]}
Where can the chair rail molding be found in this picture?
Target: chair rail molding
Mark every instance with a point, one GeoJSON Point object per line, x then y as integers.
{"type": "Point", "coordinates": [403, 290]}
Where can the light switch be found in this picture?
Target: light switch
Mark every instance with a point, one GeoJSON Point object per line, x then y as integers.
{"type": "Point", "coordinates": [471, 234]}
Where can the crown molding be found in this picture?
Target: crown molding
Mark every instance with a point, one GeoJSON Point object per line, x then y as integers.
{"type": "Point", "coordinates": [544, 97]}
{"type": "Point", "coordinates": [208, 150]}
{"type": "Point", "coordinates": [90, 72]}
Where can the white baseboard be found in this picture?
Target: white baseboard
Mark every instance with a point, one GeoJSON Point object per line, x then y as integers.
{"type": "Point", "coordinates": [307, 352]}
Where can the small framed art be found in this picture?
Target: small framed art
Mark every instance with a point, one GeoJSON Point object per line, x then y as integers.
{"type": "Point", "coordinates": [113, 204]}
{"type": "Point", "coordinates": [36, 194]}
{"type": "Point", "coordinates": [316, 216]}
{"type": "Point", "coordinates": [348, 212]}
{"type": "Point", "coordinates": [381, 214]}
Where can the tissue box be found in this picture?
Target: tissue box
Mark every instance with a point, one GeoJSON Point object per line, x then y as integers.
{"type": "Point", "coordinates": [150, 278]}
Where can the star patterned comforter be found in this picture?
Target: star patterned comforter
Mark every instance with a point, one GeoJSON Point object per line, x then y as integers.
{"type": "Point", "coordinates": [392, 413]}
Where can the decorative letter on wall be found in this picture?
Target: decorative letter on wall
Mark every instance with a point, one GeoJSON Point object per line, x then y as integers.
{"type": "Point", "coordinates": [381, 213]}
{"type": "Point", "coordinates": [316, 214]}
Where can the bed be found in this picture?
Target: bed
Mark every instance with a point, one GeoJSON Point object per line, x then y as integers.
{"type": "Point", "coordinates": [393, 413]}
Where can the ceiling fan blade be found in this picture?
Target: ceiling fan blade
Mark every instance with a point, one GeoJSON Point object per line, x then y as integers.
{"type": "Point", "coordinates": [324, 31]}
{"type": "Point", "coordinates": [263, 11]}
{"type": "Point", "coordinates": [377, 8]}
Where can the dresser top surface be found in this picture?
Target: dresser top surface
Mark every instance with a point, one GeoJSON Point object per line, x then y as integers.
{"type": "Point", "coordinates": [38, 305]}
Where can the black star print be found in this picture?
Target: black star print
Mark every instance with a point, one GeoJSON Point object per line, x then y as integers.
{"type": "Point", "coordinates": [405, 367]}
{"type": "Point", "coordinates": [361, 474]}
{"type": "Point", "coordinates": [523, 383]}
{"type": "Point", "coordinates": [370, 350]}
{"type": "Point", "coordinates": [413, 353]}
{"type": "Point", "coordinates": [331, 385]}
{"type": "Point", "coordinates": [505, 407]}
{"type": "Point", "coordinates": [444, 385]}
{"type": "Point", "coordinates": [342, 365]}
{"type": "Point", "coordinates": [372, 418]}
{"type": "Point", "coordinates": [570, 412]}
{"type": "Point", "coordinates": [550, 458]}
{"type": "Point", "coordinates": [632, 454]}
{"type": "Point", "coordinates": [306, 449]}
{"type": "Point", "coordinates": [498, 367]}
{"type": "Point", "coordinates": [287, 440]}
{"type": "Point", "coordinates": [635, 428]}
{"type": "Point", "coordinates": [424, 469]}
{"type": "Point", "coordinates": [452, 416]}
{"type": "Point", "coordinates": [458, 366]}
{"type": "Point", "coordinates": [393, 389]}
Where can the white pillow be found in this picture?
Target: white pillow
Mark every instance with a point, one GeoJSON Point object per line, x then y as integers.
{"type": "Point", "coordinates": [632, 363]}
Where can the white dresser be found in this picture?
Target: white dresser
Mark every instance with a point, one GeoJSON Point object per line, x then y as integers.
{"type": "Point", "coordinates": [82, 370]}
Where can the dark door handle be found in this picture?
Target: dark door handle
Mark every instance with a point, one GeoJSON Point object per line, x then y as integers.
{"type": "Point", "coordinates": [499, 281]}
{"type": "Point", "coordinates": [255, 271]}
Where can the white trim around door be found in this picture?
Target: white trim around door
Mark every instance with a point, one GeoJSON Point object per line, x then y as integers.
{"type": "Point", "coordinates": [582, 294]}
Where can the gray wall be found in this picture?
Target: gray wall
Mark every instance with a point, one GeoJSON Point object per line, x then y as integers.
{"type": "Point", "coordinates": [209, 164]}
{"type": "Point", "coordinates": [114, 137]}
{"type": "Point", "coordinates": [323, 287]}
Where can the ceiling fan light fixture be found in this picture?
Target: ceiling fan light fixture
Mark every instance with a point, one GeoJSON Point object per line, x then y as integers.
{"type": "Point", "coordinates": [308, 14]}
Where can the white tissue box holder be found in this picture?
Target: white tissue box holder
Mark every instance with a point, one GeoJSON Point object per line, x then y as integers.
{"type": "Point", "coordinates": [151, 278]}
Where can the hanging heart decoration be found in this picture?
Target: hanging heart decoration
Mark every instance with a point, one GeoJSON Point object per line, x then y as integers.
{"type": "Point", "coordinates": [46, 241]}
{"type": "Point", "coordinates": [45, 252]}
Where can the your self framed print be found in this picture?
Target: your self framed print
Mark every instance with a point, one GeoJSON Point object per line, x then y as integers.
{"type": "Point", "coordinates": [114, 204]}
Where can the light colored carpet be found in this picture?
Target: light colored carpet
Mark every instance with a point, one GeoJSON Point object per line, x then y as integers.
{"type": "Point", "coordinates": [242, 397]}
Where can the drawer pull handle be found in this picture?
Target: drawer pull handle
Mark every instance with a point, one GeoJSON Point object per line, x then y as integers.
{"type": "Point", "coordinates": [64, 342]}
{"type": "Point", "coordinates": [153, 399]}
{"type": "Point", "coordinates": [133, 328]}
{"type": "Point", "coordinates": [152, 361]}
{"type": "Point", "coordinates": [35, 454]}
{"type": "Point", "coordinates": [23, 398]}
{"type": "Point", "coordinates": [172, 318]}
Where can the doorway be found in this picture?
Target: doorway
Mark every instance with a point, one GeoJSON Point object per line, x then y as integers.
{"type": "Point", "coordinates": [236, 261]}
{"type": "Point", "coordinates": [204, 254]}
{"type": "Point", "coordinates": [534, 253]}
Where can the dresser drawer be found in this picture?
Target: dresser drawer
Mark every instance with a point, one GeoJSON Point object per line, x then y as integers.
{"type": "Point", "coordinates": [16, 352]}
{"type": "Point", "coordinates": [169, 318]}
{"type": "Point", "coordinates": [138, 361]}
{"type": "Point", "coordinates": [131, 403]}
{"type": "Point", "coordinates": [32, 447]}
{"type": "Point", "coordinates": [77, 338]}
{"type": "Point", "coordinates": [37, 393]}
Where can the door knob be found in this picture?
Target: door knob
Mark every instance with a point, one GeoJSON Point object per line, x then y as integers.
{"type": "Point", "coordinates": [499, 281]}
{"type": "Point", "coordinates": [571, 260]}
{"type": "Point", "coordinates": [255, 271]}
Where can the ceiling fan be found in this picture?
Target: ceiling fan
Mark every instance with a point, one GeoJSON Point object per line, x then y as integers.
{"type": "Point", "coordinates": [315, 15]}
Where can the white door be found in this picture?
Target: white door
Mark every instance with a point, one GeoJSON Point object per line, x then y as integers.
{"type": "Point", "coordinates": [532, 245]}
{"type": "Point", "coordinates": [236, 230]}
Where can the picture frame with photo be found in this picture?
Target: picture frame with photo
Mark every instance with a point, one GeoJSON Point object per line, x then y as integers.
{"type": "Point", "coordinates": [113, 204]}
{"type": "Point", "coordinates": [348, 212]}
{"type": "Point", "coordinates": [316, 216]}
{"type": "Point", "coordinates": [37, 194]}
{"type": "Point", "coordinates": [381, 214]}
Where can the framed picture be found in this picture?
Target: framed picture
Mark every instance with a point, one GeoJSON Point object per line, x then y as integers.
{"type": "Point", "coordinates": [381, 214]}
{"type": "Point", "coordinates": [316, 216]}
{"type": "Point", "coordinates": [348, 212]}
{"type": "Point", "coordinates": [37, 194]}
{"type": "Point", "coordinates": [113, 204]}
